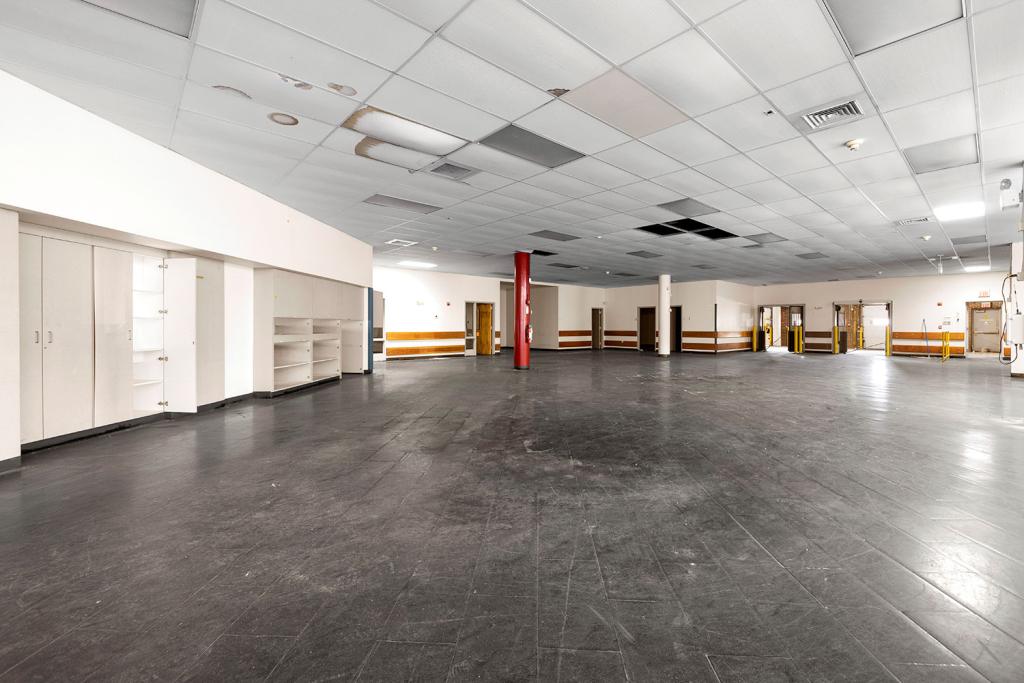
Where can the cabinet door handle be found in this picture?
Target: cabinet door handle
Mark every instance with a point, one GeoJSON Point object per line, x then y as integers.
{"type": "Point", "coordinates": [129, 335]}
{"type": "Point", "coordinates": [49, 334]}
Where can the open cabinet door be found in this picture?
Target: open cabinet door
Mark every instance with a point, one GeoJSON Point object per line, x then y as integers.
{"type": "Point", "coordinates": [180, 391]}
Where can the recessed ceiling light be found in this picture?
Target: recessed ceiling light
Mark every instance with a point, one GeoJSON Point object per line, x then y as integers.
{"type": "Point", "coordinates": [400, 242]}
{"type": "Point", "coordinates": [926, 237]}
{"type": "Point", "coordinates": [283, 119]}
{"type": "Point", "coordinates": [553, 235]}
{"type": "Point", "coordinates": [959, 212]}
{"type": "Point", "coordinates": [388, 127]}
{"type": "Point", "coordinates": [936, 156]}
{"type": "Point", "coordinates": [977, 269]}
{"type": "Point", "coordinates": [346, 90]}
{"type": "Point", "coordinates": [232, 90]}
{"type": "Point", "coordinates": [417, 264]}
{"type": "Point", "coordinates": [526, 145]}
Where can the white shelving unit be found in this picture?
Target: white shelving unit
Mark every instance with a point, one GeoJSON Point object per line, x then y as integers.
{"type": "Point", "coordinates": [147, 335]}
{"type": "Point", "coordinates": [298, 330]}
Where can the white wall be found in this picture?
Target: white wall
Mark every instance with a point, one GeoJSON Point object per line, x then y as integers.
{"type": "Point", "coordinates": [697, 300]}
{"type": "Point", "coordinates": [736, 310]}
{"type": "Point", "coordinates": [10, 349]}
{"type": "Point", "coordinates": [939, 300]}
{"type": "Point", "coordinates": [575, 305]}
{"type": "Point", "coordinates": [238, 322]}
{"type": "Point", "coordinates": [62, 161]}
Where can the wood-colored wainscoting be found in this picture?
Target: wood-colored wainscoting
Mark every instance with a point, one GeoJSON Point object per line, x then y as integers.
{"type": "Point", "coordinates": [421, 344]}
{"type": "Point", "coordinates": [710, 341]}
{"type": "Point", "coordinates": [913, 343]}
{"type": "Point", "coordinates": [575, 339]}
{"type": "Point", "coordinates": [620, 339]}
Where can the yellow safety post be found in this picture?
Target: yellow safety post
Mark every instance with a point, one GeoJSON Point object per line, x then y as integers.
{"type": "Point", "coordinates": [753, 338]}
{"type": "Point", "coordinates": [945, 346]}
{"type": "Point", "coordinates": [835, 340]}
{"type": "Point", "coordinates": [798, 338]}
{"type": "Point", "coordinates": [888, 341]}
{"type": "Point", "coordinates": [860, 337]}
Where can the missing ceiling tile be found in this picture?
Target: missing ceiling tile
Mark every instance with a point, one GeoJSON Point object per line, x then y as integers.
{"type": "Point", "coordinates": [403, 204]}
{"type": "Point", "coordinates": [811, 255]}
{"type": "Point", "coordinates": [688, 207]}
{"type": "Point", "coordinates": [765, 238]}
{"type": "Point", "coordinates": [659, 229]}
{"type": "Point", "coordinates": [526, 145]}
{"type": "Point", "coordinates": [542, 252]}
{"type": "Point", "coordinates": [716, 234]}
{"type": "Point", "coordinates": [553, 235]}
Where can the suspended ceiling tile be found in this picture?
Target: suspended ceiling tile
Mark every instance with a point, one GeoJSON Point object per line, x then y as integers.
{"type": "Point", "coordinates": [234, 31]}
{"type": "Point", "coordinates": [617, 30]}
{"type": "Point", "coordinates": [668, 70]}
{"type": "Point", "coordinates": [870, 24]}
{"type": "Point", "coordinates": [569, 126]}
{"type": "Point", "coordinates": [430, 15]}
{"type": "Point", "coordinates": [734, 171]}
{"type": "Point", "coordinates": [817, 180]}
{"type": "Point", "coordinates": [517, 39]}
{"type": "Point", "coordinates": [951, 177]}
{"type": "Point", "coordinates": [771, 190]}
{"type": "Point", "coordinates": [937, 156]}
{"type": "Point", "coordinates": [997, 42]}
{"type": "Point", "coordinates": [429, 107]}
{"type": "Point", "coordinates": [875, 168]}
{"type": "Point", "coordinates": [617, 99]}
{"type": "Point", "coordinates": [791, 156]}
{"type": "Point", "coordinates": [358, 27]}
{"type": "Point", "coordinates": [638, 158]}
{"type": "Point", "coordinates": [891, 189]}
{"type": "Point", "coordinates": [775, 41]}
{"type": "Point", "coordinates": [749, 124]}
{"type": "Point", "coordinates": [1002, 103]}
{"type": "Point", "coordinates": [690, 143]}
{"type": "Point", "coordinates": [597, 172]}
{"type": "Point", "coordinates": [726, 200]}
{"type": "Point", "coordinates": [648, 192]}
{"type": "Point", "coordinates": [203, 100]}
{"type": "Point", "coordinates": [832, 141]}
{"type": "Point", "coordinates": [939, 119]}
{"type": "Point", "coordinates": [529, 193]}
{"type": "Point", "coordinates": [920, 68]}
{"type": "Point", "coordinates": [486, 181]}
{"type": "Point", "coordinates": [688, 182]}
{"type": "Point", "coordinates": [794, 207]}
{"type": "Point", "coordinates": [563, 184]}
{"type": "Point", "coordinates": [460, 74]}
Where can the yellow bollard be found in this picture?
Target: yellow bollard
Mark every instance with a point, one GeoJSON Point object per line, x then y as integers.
{"type": "Point", "coordinates": [835, 340]}
{"type": "Point", "coordinates": [753, 338]}
{"type": "Point", "coordinates": [945, 347]}
{"type": "Point", "coordinates": [888, 341]}
{"type": "Point", "coordinates": [860, 337]}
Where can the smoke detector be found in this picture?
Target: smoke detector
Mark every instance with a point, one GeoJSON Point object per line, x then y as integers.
{"type": "Point", "coordinates": [854, 145]}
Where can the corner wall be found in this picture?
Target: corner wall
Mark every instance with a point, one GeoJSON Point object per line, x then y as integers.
{"type": "Point", "coordinates": [10, 343]}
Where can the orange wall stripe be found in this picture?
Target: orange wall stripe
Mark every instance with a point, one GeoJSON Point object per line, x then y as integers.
{"type": "Point", "coordinates": [933, 349]}
{"type": "Point", "coordinates": [932, 336]}
{"type": "Point", "coordinates": [700, 334]}
{"type": "Point", "coordinates": [620, 333]}
{"type": "Point", "coordinates": [573, 344]}
{"type": "Point", "coordinates": [411, 336]}
{"type": "Point", "coordinates": [574, 333]}
{"type": "Point", "coordinates": [733, 345]}
{"type": "Point", "coordinates": [741, 333]}
{"type": "Point", "coordinates": [425, 350]}
{"type": "Point", "coordinates": [818, 335]}
{"type": "Point", "coordinates": [695, 346]}
{"type": "Point", "coordinates": [623, 344]}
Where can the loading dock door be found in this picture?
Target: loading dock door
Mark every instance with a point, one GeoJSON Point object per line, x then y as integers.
{"type": "Point", "coordinates": [985, 330]}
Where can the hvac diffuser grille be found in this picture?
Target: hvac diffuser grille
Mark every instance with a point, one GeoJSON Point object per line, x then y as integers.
{"type": "Point", "coordinates": [829, 116]}
{"type": "Point", "coordinates": [914, 221]}
{"type": "Point", "coordinates": [452, 171]}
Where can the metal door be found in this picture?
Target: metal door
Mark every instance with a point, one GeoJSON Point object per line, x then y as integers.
{"type": "Point", "coordinates": [985, 330]}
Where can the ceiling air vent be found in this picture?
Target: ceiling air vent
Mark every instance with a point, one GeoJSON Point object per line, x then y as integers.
{"type": "Point", "coordinates": [451, 171]}
{"type": "Point", "coordinates": [400, 243]}
{"type": "Point", "coordinates": [403, 204]}
{"type": "Point", "coordinates": [829, 116]}
{"type": "Point", "coordinates": [914, 221]}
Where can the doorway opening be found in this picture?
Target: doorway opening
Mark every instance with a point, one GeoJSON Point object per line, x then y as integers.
{"type": "Point", "coordinates": [984, 324]}
{"type": "Point", "coordinates": [647, 327]}
{"type": "Point", "coordinates": [676, 325]}
{"type": "Point", "coordinates": [597, 328]}
{"type": "Point", "coordinates": [479, 329]}
{"type": "Point", "coordinates": [777, 327]}
{"type": "Point", "coordinates": [863, 325]}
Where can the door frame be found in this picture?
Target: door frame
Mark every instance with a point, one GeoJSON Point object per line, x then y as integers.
{"type": "Point", "coordinates": [639, 337]}
{"type": "Point", "coordinates": [597, 343]}
{"type": "Point", "coordinates": [676, 343]}
{"type": "Point", "coordinates": [969, 327]}
{"type": "Point", "coordinates": [476, 327]}
{"type": "Point", "coordinates": [759, 317]}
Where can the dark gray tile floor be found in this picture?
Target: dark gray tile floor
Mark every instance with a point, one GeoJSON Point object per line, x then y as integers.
{"type": "Point", "coordinates": [601, 517]}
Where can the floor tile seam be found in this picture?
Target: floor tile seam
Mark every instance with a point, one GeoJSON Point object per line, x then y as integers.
{"type": "Point", "coordinates": [604, 583]}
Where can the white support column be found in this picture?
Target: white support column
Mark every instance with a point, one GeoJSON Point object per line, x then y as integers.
{"type": "Point", "coordinates": [664, 315]}
{"type": "Point", "coordinates": [10, 346]}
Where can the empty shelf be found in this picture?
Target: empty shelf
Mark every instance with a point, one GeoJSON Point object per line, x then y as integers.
{"type": "Point", "coordinates": [325, 360]}
{"type": "Point", "coordinates": [291, 365]}
{"type": "Point", "coordinates": [290, 338]}
{"type": "Point", "coordinates": [146, 382]}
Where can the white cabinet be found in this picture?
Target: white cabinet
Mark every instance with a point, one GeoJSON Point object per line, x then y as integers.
{"type": "Point", "coordinates": [180, 379]}
{"type": "Point", "coordinates": [30, 287]}
{"type": "Point", "coordinates": [112, 282]}
{"type": "Point", "coordinates": [147, 335]}
{"type": "Point", "coordinates": [293, 294]}
{"type": "Point", "coordinates": [67, 337]}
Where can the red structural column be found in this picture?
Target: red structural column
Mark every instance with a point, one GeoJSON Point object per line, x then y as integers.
{"type": "Point", "coordinates": [521, 343]}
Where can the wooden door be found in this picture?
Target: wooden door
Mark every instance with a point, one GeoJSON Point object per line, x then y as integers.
{"type": "Point", "coordinates": [485, 329]}
{"type": "Point", "coordinates": [597, 328]}
{"type": "Point", "coordinates": [30, 289]}
{"type": "Point", "coordinates": [112, 280]}
{"type": "Point", "coordinates": [648, 325]}
{"type": "Point", "coordinates": [67, 337]}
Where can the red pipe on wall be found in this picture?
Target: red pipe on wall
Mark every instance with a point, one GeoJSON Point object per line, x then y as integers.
{"type": "Point", "coordinates": [521, 343]}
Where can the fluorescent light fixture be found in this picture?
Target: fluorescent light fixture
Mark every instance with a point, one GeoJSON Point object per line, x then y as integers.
{"type": "Point", "coordinates": [961, 211]}
{"type": "Point", "coordinates": [388, 127]}
{"type": "Point", "coordinates": [977, 269]}
{"type": "Point", "coordinates": [530, 146]}
{"type": "Point", "coordinates": [417, 264]}
{"type": "Point", "coordinates": [379, 150]}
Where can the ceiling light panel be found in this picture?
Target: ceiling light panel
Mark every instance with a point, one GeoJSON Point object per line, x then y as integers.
{"type": "Point", "coordinates": [597, 172]}
{"type": "Point", "coordinates": [644, 254]}
{"type": "Point", "coordinates": [495, 161]}
{"type": "Point", "coordinates": [517, 39]}
{"type": "Point", "coordinates": [211, 68]}
{"type": "Point", "coordinates": [420, 103]}
{"type": "Point", "coordinates": [174, 16]}
{"type": "Point", "coordinates": [402, 204]}
{"type": "Point", "coordinates": [776, 42]}
{"type": "Point", "coordinates": [358, 27]}
{"type": "Point", "coordinates": [553, 235]}
{"type": "Point", "coordinates": [939, 119]}
{"type": "Point", "coordinates": [528, 145]}
{"type": "Point", "coordinates": [690, 143]}
{"type": "Point", "coordinates": [870, 24]}
{"type": "Point", "coordinates": [462, 75]}
{"type": "Point", "coordinates": [617, 30]}
{"type": "Point", "coordinates": [749, 124]}
{"type": "Point", "coordinates": [936, 156]}
{"type": "Point", "coordinates": [920, 68]}
{"type": "Point", "coordinates": [383, 125]}
{"type": "Point", "coordinates": [569, 126]}
{"type": "Point", "coordinates": [617, 99]}
{"type": "Point", "coordinates": [1000, 52]}
{"type": "Point", "coordinates": [667, 70]}
{"type": "Point", "coordinates": [734, 171]}
{"type": "Point", "coordinates": [234, 31]}
{"type": "Point", "coordinates": [690, 208]}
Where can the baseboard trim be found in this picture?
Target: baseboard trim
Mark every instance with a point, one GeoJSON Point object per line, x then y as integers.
{"type": "Point", "coordinates": [33, 446]}
{"type": "Point", "coordinates": [10, 465]}
{"type": "Point", "coordinates": [292, 390]}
